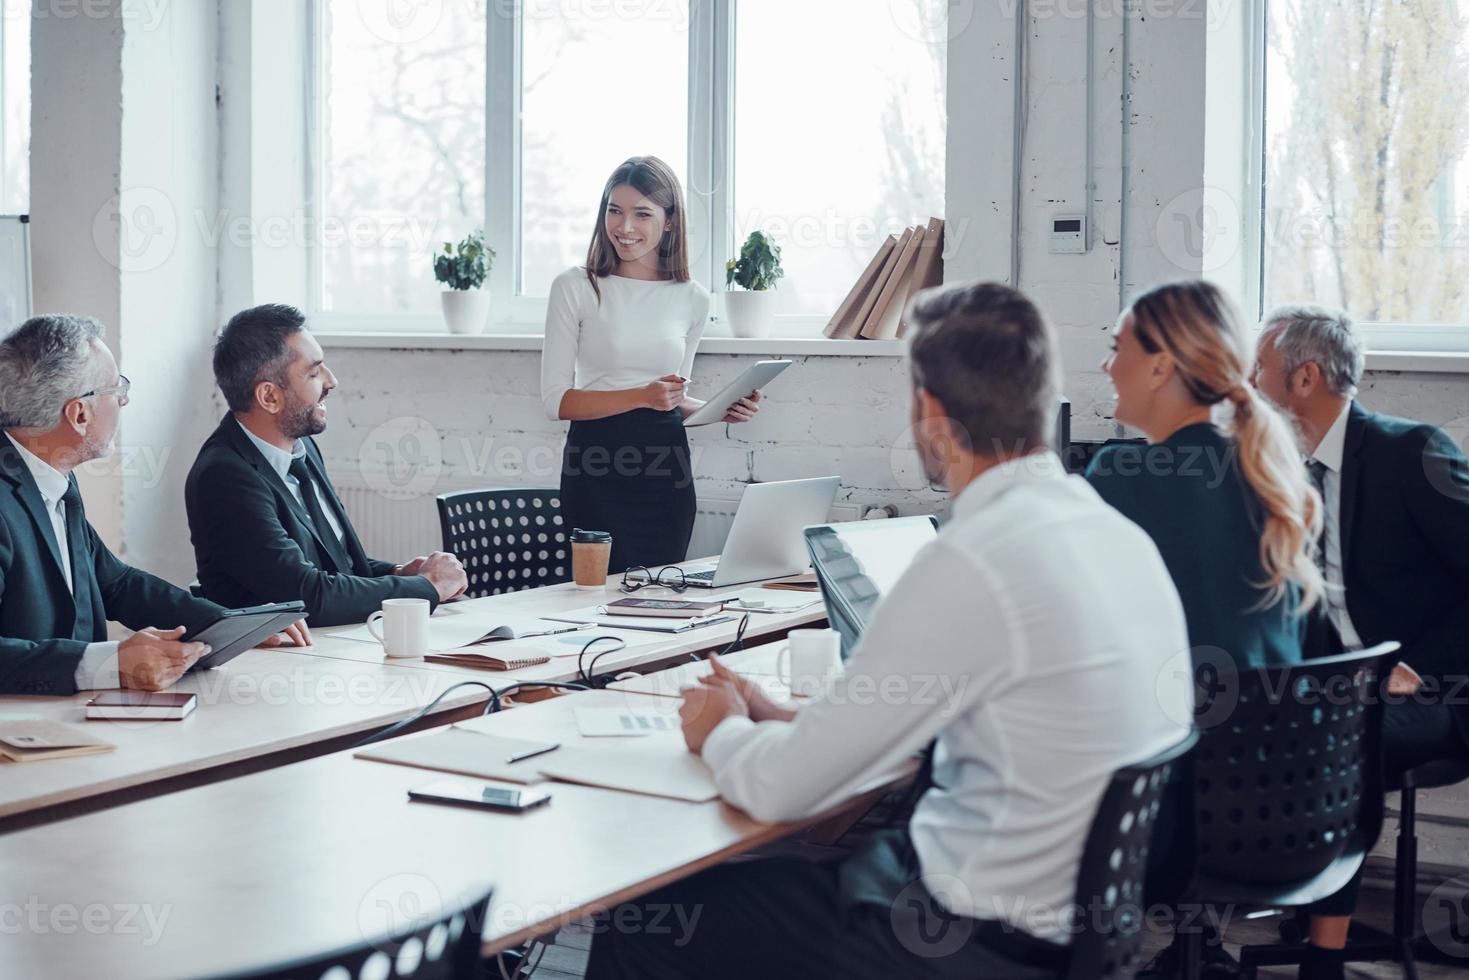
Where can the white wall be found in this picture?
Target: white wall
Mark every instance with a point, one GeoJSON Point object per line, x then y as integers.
{"type": "Point", "coordinates": [124, 182]}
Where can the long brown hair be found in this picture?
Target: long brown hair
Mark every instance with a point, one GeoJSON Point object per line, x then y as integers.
{"type": "Point", "coordinates": [1197, 324]}
{"type": "Point", "coordinates": [656, 181]}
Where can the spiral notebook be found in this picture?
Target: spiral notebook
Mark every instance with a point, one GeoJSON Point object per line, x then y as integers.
{"type": "Point", "coordinates": [486, 661]}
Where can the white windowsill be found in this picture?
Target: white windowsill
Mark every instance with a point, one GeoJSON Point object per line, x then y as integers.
{"type": "Point", "coordinates": [790, 346]}
{"type": "Point", "coordinates": [1431, 362]}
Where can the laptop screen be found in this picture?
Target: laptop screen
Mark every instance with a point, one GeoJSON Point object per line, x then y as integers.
{"type": "Point", "coordinates": [858, 562]}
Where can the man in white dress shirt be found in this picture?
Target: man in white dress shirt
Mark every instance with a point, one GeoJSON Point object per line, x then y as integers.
{"type": "Point", "coordinates": [1032, 641]}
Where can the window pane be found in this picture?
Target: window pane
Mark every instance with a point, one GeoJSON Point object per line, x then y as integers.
{"type": "Point", "coordinates": [837, 143]}
{"type": "Point", "coordinates": [587, 105]}
{"type": "Point", "coordinates": [15, 114]}
{"type": "Point", "coordinates": [1366, 172]}
{"type": "Point", "coordinates": [404, 160]}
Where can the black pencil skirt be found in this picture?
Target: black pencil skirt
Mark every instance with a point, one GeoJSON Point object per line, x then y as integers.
{"type": "Point", "coordinates": [631, 474]}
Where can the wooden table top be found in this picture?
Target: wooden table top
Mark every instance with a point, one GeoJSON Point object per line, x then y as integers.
{"type": "Point", "coordinates": [324, 853]}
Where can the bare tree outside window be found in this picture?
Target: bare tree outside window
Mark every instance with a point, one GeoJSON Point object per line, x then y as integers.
{"type": "Point", "coordinates": [1367, 182]}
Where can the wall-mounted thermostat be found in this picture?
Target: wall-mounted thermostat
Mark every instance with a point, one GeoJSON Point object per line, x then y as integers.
{"type": "Point", "coordinates": [1068, 234]}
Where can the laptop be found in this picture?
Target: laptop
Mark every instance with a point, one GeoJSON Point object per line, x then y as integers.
{"type": "Point", "coordinates": [857, 563]}
{"type": "Point", "coordinates": [765, 540]}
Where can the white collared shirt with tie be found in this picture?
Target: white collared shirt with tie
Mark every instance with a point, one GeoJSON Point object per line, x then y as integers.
{"type": "Point", "coordinates": [281, 461]}
{"type": "Point", "coordinates": [1330, 453]}
{"type": "Point", "coordinates": [98, 667]}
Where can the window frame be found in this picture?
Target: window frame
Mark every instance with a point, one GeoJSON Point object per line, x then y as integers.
{"type": "Point", "coordinates": [709, 169]}
{"type": "Point", "coordinates": [1382, 337]}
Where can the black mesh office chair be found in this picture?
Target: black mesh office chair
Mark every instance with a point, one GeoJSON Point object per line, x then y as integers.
{"type": "Point", "coordinates": [1109, 882]}
{"type": "Point", "coordinates": [444, 948]}
{"type": "Point", "coordinates": [1407, 942]}
{"type": "Point", "coordinates": [509, 538]}
{"type": "Point", "coordinates": [1287, 781]}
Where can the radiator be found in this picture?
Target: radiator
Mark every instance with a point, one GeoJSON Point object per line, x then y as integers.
{"type": "Point", "coordinates": [396, 530]}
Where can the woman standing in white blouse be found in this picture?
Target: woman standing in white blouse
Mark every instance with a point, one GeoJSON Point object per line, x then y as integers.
{"type": "Point", "coordinates": [621, 334]}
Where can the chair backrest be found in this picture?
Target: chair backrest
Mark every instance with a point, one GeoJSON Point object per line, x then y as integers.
{"type": "Point", "coordinates": [446, 947]}
{"type": "Point", "coordinates": [1287, 776]}
{"type": "Point", "coordinates": [509, 538]}
{"type": "Point", "coordinates": [1106, 943]}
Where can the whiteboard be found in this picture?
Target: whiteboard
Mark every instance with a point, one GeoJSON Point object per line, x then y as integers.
{"type": "Point", "coordinates": [15, 271]}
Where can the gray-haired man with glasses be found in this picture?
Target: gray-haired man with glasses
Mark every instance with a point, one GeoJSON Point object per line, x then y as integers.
{"type": "Point", "coordinates": [61, 398]}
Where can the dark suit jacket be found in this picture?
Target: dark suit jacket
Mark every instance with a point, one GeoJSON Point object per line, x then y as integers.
{"type": "Point", "coordinates": [1405, 544]}
{"type": "Point", "coordinates": [1188, 493]}
{"type": "Point", "coordinates": [39, 642]}
{"type": "Point", "coordinates": [255, 543]}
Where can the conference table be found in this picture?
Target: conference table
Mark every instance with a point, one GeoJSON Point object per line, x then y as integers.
{"type": "Point", "coordinates": [268, 708]}
{"type": "Point", "coordinates": [329, 852]}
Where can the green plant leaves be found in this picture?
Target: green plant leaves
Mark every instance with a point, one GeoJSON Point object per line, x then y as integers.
{"type": "Point", "coordinates": [758, 266]}
{"type": "Point", "coordinates": [466, 265]}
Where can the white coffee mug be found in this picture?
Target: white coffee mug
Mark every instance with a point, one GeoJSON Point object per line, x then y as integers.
{"type": "Point", "coordinates": [809, 660]}
{"type": "Point", "coordinates": [405, 627]}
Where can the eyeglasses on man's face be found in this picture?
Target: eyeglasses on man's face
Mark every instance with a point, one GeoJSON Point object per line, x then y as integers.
{"type": "Point", "coordinates": [120, 389]}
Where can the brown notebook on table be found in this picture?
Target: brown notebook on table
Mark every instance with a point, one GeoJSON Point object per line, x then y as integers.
{"type": "Point", "coordinates": [485, 661]}
{"type": "Point", "coordinates": [32, 741]}
{"type": "Point", "coordinates": [796, 583]}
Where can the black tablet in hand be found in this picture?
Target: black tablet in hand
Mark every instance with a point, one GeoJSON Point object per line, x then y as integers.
{"type": "Point", "coordinates": [238, 630]}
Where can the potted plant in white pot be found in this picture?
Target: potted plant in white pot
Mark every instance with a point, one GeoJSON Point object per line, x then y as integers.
{"type": "Point", "coordinates": [751, 309]}
{"type": "Point", "coordinates": [462, 269]}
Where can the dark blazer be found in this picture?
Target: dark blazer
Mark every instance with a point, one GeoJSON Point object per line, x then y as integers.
{"type": "Point", "coordinates": [1405, 544]}
{"type": "Point", "coordinates": [43, 628]}
{"type": "Point", "coordinates": [255, 543]}
{"type": "Point", "coordinates": [1188, 493]}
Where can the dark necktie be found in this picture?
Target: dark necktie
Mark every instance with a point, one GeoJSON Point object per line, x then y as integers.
{"type": "Point", "coordinates": [1317, 469]}
{"type": "Point", "coordinates": [334, 548]}
{"type": "Point", "coordinates": [83, 582]}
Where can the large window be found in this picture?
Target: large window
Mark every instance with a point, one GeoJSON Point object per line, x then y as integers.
{"type": "Point", "coordinates": [840, 143]}
{"type": "Point", "coordinates": [463, 114]}
{"type": "Point", "coordinates": [15, 109]}
{"type": "Point", "coordinates": [402, 140]}
{"type": "Point", "coordinates": [596, 88]}
{"type": "Point", "coordinates": [1367, 160]}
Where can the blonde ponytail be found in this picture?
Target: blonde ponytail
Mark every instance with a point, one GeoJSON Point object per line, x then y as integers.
{"type": "Point", "coordinates": [1271, 465]}
{"type": "Point", "coordinates": [1198, 325]}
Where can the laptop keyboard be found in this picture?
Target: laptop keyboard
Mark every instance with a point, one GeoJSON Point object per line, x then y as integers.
{"type": "Point", "coordinates": [707, 576]}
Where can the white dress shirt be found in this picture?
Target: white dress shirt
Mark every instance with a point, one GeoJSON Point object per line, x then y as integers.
{"type": "Point", "coordinates": [98, 666]}
{"type": "Point", "coordinates": [1329, 453]}
{"type": "Point", "coordinates": [281, 461]}
{"type": "Point", "coordinates": [641, 331]}
{"type": "Point", "coordinates": [1041, 640]}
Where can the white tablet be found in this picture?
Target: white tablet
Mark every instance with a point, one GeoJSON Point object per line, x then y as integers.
{"type": "Point", "coordinates": [754, 377]}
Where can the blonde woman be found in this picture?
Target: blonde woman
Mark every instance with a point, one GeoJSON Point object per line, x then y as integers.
{"type": "Point", "coordinates": [1228, 503]}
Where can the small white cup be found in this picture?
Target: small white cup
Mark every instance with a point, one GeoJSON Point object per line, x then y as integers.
{"type": "Point", "coordinates": [405, 627]}
{"type": "Point", "coordinates": [809, 660]}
